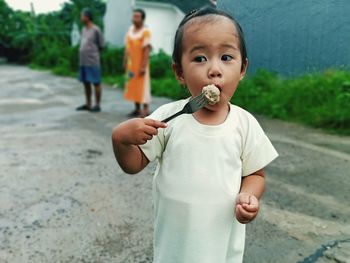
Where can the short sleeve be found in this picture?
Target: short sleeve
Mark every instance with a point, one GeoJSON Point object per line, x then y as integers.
{"type": "Point", "coordinates": [258, 150]}
{"type": "Point", "coordinates": [146, 39]}
{"type": "Point", "coordinates": [153, 149]}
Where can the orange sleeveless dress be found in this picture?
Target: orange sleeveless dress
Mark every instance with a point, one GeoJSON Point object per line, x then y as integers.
{"type": "Point", "coordinates": [137, 88]}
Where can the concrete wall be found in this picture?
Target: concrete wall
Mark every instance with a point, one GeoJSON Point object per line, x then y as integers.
{"type": "Point", "coordinates": [162, 20]}
{"type": "Point", "coordinates": [117, 21]}
{"type": "Point", "coordinates": [294, 36]}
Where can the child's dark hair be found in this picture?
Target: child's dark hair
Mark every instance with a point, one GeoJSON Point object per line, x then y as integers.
{"type": "Point", "coordinates": [142, 12]}
{"type": "Point", "coordinates": [177, 52]}
{"type": "Point", "coordinates": [88, 13]}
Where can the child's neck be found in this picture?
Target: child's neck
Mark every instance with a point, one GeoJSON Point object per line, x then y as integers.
{"type": "Point", "coordinates": [211, 117]}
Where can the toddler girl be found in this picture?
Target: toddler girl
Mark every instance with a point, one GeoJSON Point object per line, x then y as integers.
{"type": "Point", "coordinates": [210, 164]}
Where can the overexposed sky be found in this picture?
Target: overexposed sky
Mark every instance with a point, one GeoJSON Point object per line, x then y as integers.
{"type": "Point", "coordinates": [40, 6]}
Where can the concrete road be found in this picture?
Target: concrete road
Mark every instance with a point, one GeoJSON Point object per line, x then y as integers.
{"type": "Point", "coordinates": [63, 198]}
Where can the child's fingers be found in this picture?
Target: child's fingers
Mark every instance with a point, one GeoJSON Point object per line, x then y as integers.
{"type": "Point", "coordinates": [149, 130]}
{"type": "Point", "coordinates": [250, 208]}
{"type": "Point", "coordinates": [239, 216]}
{"type": "Point", "coordinates": [148, 137]}
{"type": "Point", "coordinates": [244, 216]}
{"type": "Point", "coordinates": [154, 123]}
{"type": "Point", "coordinates": [242, 198]}
{"type": "Point", "coordinates": [253, 205]}
{"type": "Point", "coordinates": [245, 213]}
{"type": "Point", "coordinates": [253, 200]}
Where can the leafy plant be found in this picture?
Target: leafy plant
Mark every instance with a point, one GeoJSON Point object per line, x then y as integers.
{"type": "Point", "coordinates": [160, 64]}
{"type": "Point", "coordinates": [168, 87]}
{"type": "Point", "coordinates": [25, 36]}
{"type": "Point", "coordinates": [320, 99]}
{"type": "Point", "coordinates": [112, 61]}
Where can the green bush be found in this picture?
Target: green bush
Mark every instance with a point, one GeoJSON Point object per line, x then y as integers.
{"type": "Point", "coordinates": [160, 65]}
{"type": "Point", "coordinates": [168, 87]}
{"type": "Point", "coordinates": [112, 61]}
{"type": "Point", "coordinates": [319, 99]}
{"type": "Point", "coordinates": [63, 60]}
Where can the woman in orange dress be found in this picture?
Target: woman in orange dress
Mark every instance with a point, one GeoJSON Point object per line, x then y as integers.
{"type": "Point", "coordinates": [136, 63]}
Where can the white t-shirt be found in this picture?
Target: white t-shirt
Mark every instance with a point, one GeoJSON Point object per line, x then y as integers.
{"type": "Point", "coordinates": [196, 182]}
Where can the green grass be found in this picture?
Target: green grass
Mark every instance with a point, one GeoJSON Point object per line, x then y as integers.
{"type": "Point", "coordinates": [321, 100]}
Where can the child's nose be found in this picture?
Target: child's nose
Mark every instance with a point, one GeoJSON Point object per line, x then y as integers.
{"type": "Point", "coordinates": [215, 71]}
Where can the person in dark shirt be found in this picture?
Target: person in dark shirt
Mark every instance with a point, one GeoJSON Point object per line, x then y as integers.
{"type": "Point", "coordinates": [91, 44]}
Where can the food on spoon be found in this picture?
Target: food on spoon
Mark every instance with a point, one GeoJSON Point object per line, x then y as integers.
{"type": "Point", "coordinates": [212, 93]}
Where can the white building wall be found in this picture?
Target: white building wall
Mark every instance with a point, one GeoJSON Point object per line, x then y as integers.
{"type": "Point", "coordinates": [117, 21]}
{"type": "Point", "coordinates": [162, 19]}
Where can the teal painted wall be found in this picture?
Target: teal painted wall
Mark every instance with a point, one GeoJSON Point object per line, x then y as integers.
{"type": "Point", "coordinates": [294, 36]}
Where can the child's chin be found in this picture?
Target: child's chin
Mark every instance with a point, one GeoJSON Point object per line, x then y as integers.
{"type": "Point", "coordinates": [217, 106]}
{"type": "Point", "coordinates": [214, 107]}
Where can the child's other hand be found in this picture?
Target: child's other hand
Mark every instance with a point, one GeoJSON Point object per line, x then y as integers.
{"type": "Point", "coordinates": [137, 131]}
{"type": "Point", "coordinates": [247, 207]}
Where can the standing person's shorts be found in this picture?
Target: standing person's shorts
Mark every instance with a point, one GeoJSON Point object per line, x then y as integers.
{"type": "Point", "coordinates": [90, 74]}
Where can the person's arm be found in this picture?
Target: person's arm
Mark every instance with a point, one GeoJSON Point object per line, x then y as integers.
{"type": "Point", "coordinates": [145, 58]}
{"type": "Point", "coordinates": [247, 202]}
{"type": "Point", "coordinates": [101, 41]}
{"type": "Point", "coordinates": [127, 136]}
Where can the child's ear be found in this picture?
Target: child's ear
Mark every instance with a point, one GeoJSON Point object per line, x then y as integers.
{"type": "Point", "coordinates": [178, 73]}
{"type": "Point", "coordinates": [244, 68]}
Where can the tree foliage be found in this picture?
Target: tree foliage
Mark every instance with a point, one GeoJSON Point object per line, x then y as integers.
{"type": "Point", "coordinates": [26, 36]}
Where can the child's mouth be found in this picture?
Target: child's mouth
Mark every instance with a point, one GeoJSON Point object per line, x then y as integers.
{"type": "Point", "coordinates": [212, 93]}
{"type": "Point", "coordinates": [218, 86]}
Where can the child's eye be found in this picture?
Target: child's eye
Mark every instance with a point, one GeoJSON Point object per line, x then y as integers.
{"type": "Point", "coordinates": [200, 59]}
{"type": "Point", "coordinates": [226, 58]}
